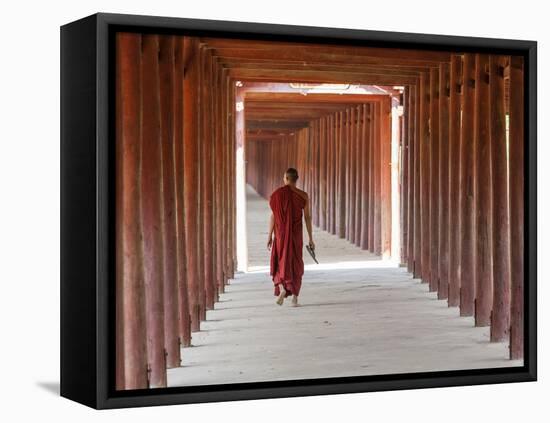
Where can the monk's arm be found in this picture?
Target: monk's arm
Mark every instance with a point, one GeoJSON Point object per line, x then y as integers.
{"type": "Point", "coordinates": [307, 217]}
{"type": "Point", "coordinates": [270, 231]}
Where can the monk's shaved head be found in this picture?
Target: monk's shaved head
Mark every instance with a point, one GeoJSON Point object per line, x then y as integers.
{"type": "Point", "coordinates": [291, 174]}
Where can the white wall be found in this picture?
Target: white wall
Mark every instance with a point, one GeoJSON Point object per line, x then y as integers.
{"type": "Point", "coordinates": [29, 221]}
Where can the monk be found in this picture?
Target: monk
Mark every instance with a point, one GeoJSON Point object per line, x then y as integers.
{"type": "Point", "coordinates": [288, 204]}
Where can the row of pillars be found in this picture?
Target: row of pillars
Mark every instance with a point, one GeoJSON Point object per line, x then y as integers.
{"type": "Point", "coordinates": [175, 208]}
{"type": "Point", "coordinates": [343, 162]}
{"type": "Point", "coordinates": [462, 198]}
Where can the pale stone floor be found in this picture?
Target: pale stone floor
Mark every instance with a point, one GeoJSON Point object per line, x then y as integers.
{"type": "Point", "coordinates": [360, 315]}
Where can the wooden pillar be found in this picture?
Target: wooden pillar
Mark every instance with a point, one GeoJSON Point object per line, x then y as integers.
{"type": "Point", "coordinates": [412, 147]}
{"type": "Point", "coordinates": [372, 171]}
{"type": "Point", "coordinates": [352, 174]}
{"type": "Point", "coordinates": [233, 180]}
{"type": "Point", "coordinates": [425, 183]}
{"type": "Point", "coordinates": [207, 191]}
{"type": "Point", "coordinates": [316, 181]}
{"type": "Point", "coordinates": [378, 154]}
{"type": "Point", "coordinates": [517, 198]}
{"type": "Point", "coordinates": [131, 349]}
{"type": "Point", "coordinates": [228, 257]}
{"type": "Point", "coordinates": [417, 268]}
{"type": "Point", "coordinates": [219, 178]}
{"type": "Point", "coordinates": [483, 194]}
{"type": "Point", "coordinates": [405, 180]}
{"type": "Point", "coordinates": [385, 177]}
{"type": "Point", "coordinates": [456, 88]}
{"type": "Point", "coordinates": [434, 180]}
{"type": "Point", "coordinates": [467, 203]}
{"type": "Point", "coordinates": [225, 168]}
{"type": "Point", "coordinates": [332, 180]}
{"type": "Point", "coordinates": [364, 240]}
{"type": "Point", "coordinates": [151, 189]}
{"type": "Point", "coordinates": [183, 290]}
{"type": "Point", "coordinates": [358, 174]}
{"type": "Point", "coordinates": [349, 152]}
{"type": "Point", "coordinates": [500, 318]}
{"type": "Point", "coordinates": [191, 177]}
{"type": "Point", "coordinates": [342, 176]}
{"type": "Point", "coordinates": [322, 174]}
{"type": "Point", "coordinates": [169, 233]}
{"type": "Point", "coordinates": [200, 193]}
{"type": "Point", "coordinates": [445, 224]}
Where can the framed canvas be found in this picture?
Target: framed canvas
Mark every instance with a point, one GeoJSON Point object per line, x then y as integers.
{"type": "Point", "coordinates": [258, 211]}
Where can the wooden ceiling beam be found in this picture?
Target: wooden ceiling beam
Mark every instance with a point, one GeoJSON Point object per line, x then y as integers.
{"type": "Point", "coordinates": [312, 97]}
{"type": "Point", "coordinates": [276, 125]}
{"type": "Point", "coordinates": [310, 57]}
{"type": "Point", "coordinates": [319, 77]}
{"type": "Point", "coordinates": [375, 69]}
{"type": "Point", "coordinates": [332, 69]}
{"type": "Point", "coordinates": [295, 47]}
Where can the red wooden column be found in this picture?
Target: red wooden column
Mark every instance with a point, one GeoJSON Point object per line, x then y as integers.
{"type": "Point", "coordinates": [483, 194]}
{"type": "Point", "coordinates": [372, 171]}
{"type": "Point", "coordinates": [417, 247]}
{"type": "Point", "coordinates": [424, 114]}
{"type": "Point", "coordinates": [151, 189]}
{"type": "Point", "coordinates": [467, 203]}
{"type": "Point", "coordinates": [517, 197]}
{"type": "Point", "coordinates": [412, 147]}
{"type": "Point", "coordinates": [329, 164]}
{"type": "Point", "coordinates": [364, 239]}
{"type": "Point", "coordinates": [352, 174]}
{"type": "Point", "coordinates": [316, 208]}
{"type": "Point", "coordinates": [131, 348]}
{"type": "Point", "coordinates": [349, 153]}
{"type": "Point", "coordinates": [191, 177]}
{"type": "Point", "coordinates": [445, 224]}
{"type": "Point", "coordinates": [226, 187]}
{"type": "Point", "coordinates": [219, 178]}
{"type": "Point", "coordinates": [170, 242]}
{"type": "Point", "coordinates": [378, 123]}
{"type": "Point", "coordinates": [358, 174]}
{"type": "Point", "coordinates": [341, 198]}
{"type": "Point", "coordinates": [434, 180]}
{"type": "Point", "coordinates": [385, 177]}
{"type": "Point", "coordinates": [222, 237]}
{"type": "Point", "coordinates": [200, 164]}
{"type": "Point", "coordinates": [405, 180]}
{"type": "Point", "coordinates": [207, 191]}
{"type": "Point", "coordinates": [227, 178]}
{"type": "Point", "coordinates": [500, 318]}
{"type": "Point", "coordinates": [183, 294]}
{"type": "Point", "coordinates": [322, 174]}
{"type": "Point", "coordinates": [456, 87]}
{"type": "Point", "coordinates": [332, 174]}
{"type": "Point", "coordinates": [309, 163]}
{"type": "Point", "coordinates": [318, 171]}
{"type": "Point", "coordinates": [233, 179]}
{"type": "Point", "coordinates": [333, 190]}
{"type": "Point", "coordinates": [326, 125]}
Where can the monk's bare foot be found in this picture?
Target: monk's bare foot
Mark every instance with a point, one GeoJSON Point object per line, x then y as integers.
{"type": "Point", "coordinates": [295, 301]}
{"type": "Point", "coordinates": [281, 296]}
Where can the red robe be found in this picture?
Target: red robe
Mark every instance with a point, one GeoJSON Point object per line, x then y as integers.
{"type": "Point", "coordinates": [287, 265]}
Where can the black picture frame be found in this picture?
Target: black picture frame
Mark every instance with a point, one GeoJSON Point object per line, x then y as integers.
{"type": "Point", "coordinates": [87, 240]}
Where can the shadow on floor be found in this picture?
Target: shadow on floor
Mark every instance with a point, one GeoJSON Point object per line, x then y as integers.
{"type": "Point", "coordinates": [51, 387]}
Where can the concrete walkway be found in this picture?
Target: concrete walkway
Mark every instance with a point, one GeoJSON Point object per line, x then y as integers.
{"type": "Point", "coordinates": [360, 315]}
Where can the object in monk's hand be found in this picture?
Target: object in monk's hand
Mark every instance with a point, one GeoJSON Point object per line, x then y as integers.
{"type": "Point", "coordinates": [311, 252]}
